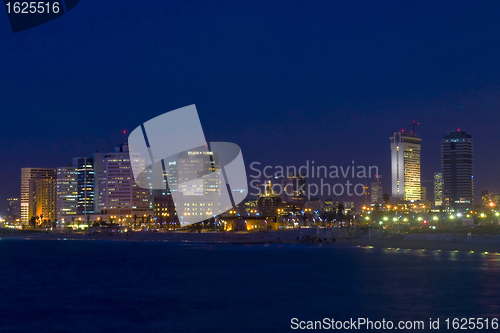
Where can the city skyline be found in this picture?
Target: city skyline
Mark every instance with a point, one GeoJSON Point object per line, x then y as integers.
{"type": "Point", "coordinates": [34, 179]}
{"type": "Point", "coordinates": [221, 166]}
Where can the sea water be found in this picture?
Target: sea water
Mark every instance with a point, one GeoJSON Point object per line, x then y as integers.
{"type": "Point", "coordinates": [123, 286]}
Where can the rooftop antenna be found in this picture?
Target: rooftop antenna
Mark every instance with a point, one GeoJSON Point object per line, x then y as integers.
{"type": "Point", "coordinates": [413, 126]}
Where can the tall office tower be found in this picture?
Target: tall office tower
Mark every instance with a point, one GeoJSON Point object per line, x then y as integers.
{"type": "Point", "coordinates": [172, 174]}
{"type": "Point", "coordinates": [38, 193]}
{"type": "Point", "coordinates": [268, 201]}
{"type": "Point", "coordinates": [376, 192]}
{"type": "Point", "coordinates": [44, 198]}
{"type": "Point", "coordinates": [198, 173]}
{"type": "Point", "coordinates": [366, 191]}
{"type": "Point", "coordinates": [13, 209]}
{"type": "Point", "coordinates": [88, 169]}
{"type": "Point", "coordinates": [294, 189]}
{"type": "Point", "coordinates": [118, 192]}
{"type": "Point", "coordinates": [67, 192]}
{"type": "Point", "coordinates": [458, 170]}
{"type": "Point", "coordinates": [405, 164]}
{"type": "Point", "coordinates": [198, 191]}
{"type": "Point", "coordinates": [438, 188]}
{"type": "Point", "coordinates": [85, 188]}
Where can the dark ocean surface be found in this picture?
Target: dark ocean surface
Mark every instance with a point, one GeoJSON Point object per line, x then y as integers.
{"type": "Point", "coordinates": [120, 286]}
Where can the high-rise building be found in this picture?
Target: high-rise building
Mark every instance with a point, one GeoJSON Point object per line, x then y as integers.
{"type": "Point", "coordinates": [118, 192]}
{"type": "Point", "coordinates": [44, 198]}
{"type": "Point", "coordinates": [88, 169]}
{"type": "Point", "coordinates": [376, 192]}
{"type": "Point", "coordinates": [67, 192]}
{"type": "Point", "coordinates": [438, 188]}
{"type": "Point", "coordinates": [198, 173]}
{"type": "Point", "coordinates": [294, 189]}
{"type": "Point", "coordinates": [458, 170]}
{"type": "Point", "coordinates": [38, 193]}
{"type": "Point", "coordinates": [172, 174]}
{"type": "Point", "coordinates": [13, 209]}
{"type": "Point", "coordinates": [164, 210]}
{"type": "Point", "coordinates": [268, 201]}
{"type": "Point", "coordinates": [198, 194]}
{"type": "Point", "coordinates": [405, 165]}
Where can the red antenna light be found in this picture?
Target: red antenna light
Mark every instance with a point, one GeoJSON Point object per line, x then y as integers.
{"type": "Point", "coordinates": [124, 132]}
{"type": "Point", "coordinates": [458, 130]}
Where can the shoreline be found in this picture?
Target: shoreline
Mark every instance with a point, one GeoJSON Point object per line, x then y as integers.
{"type": "Point", "coordinates": [260, 238]}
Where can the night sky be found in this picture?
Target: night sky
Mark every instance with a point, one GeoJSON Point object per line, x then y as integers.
{"type": "Point", "coordinates": [288, 81]}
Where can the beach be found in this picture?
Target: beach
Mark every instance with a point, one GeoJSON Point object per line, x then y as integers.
{"type": "Point", "coordinates": [312, 236]}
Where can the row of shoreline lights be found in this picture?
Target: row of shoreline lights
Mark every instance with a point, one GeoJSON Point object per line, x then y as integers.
{"type": "Point", "coordinates": [435, 218]}
{"type": "Point", "coordinates": [395, 207]}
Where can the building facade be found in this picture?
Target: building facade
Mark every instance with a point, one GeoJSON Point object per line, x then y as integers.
{"type": "Point", "coordinates": [164, 211]}
{"type": "Point", "coordinates": [44, 199]}
{"type": "Point", "coordinates": [196, 189]}
{"type": "Point", "coordinates": [67, 193]}
{"type": "Point", "coordinates": [458, 170]}
{"type": "Point", "coordinates": [405, 166]}
{"type": "Point", "coordinates": [268, 201]}
{"type": "Point", "coordinates": [423, 193]}
{"type": "Point", "coordinates": [13, 209]}
{"type": "Point", "coordinates": [294, 189]}
{"type": "Point", "coordinates": [377, 197]}
{"type": "Point", "coordinates": [88, 169]}
{"type": "Point", "coordinates": [438, 189]}
{"type": "Point", "coordinates": [38, 193]}
{"type": "Point", "coordinates": [118, 192]}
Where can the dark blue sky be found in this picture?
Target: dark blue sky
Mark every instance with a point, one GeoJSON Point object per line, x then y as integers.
{"type": "Point", "coordinates": [286, 80]}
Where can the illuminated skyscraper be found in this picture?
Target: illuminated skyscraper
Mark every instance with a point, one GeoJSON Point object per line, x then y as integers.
{"type": "Point", "coordinates": [67, 192]}
{"type": "Point", "coordinates": [38, 193]}
{"type": "Point", "coordinates": [294, 189]}
{"type": "Point", "coordinates": [197, 182]}
{"type": "Point", "coordinates": [88, 169]}
{"type": "Point", "coordinates": [458, 170]}
{"type": "Point", "coordinates": [438, 188]}
{"type": "Point", "coordinates": [405, 165]}
{"type": "Point", "coordinates": [376, 192]}
{"type": "Point", "coordinates": [118, 192]}
{"type": "Point", "coordinates": [13, 209]}
{"type": "Point", "coordinates": [44, 196]}
{"type": "Point", "coordinates": [268, 201]}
